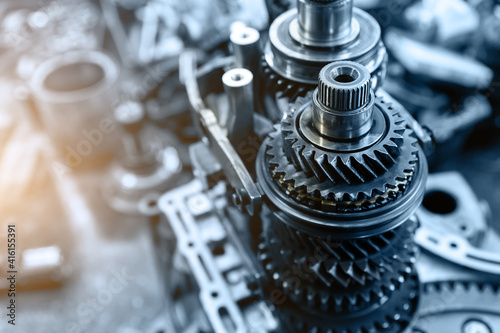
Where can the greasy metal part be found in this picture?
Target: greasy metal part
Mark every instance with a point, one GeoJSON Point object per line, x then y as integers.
{"type": "Point", "coordinates": [437, 65]}
{"type": "Point", "coordinates": [352, 225]}
{"type": "Point", "coordinates": [238, 85]}
{"type": "Point", "coordinates": [332, 175]}
{"type": "Point", "coordinates": [343, 101]}
{"type": "Point", "coordinates": [453, 224]}
{"type": "Point", "coordinates": [237, 175]}
{"type": "Point", "coordinates": [457, 250]}
{"type": "Point", "coordinates": [324, 24]}
{"type": "Point", "coordinates": [462, 306]}
{"type": "Point", "coordinates": [450, 206]}
{"type": "Point", "coordinates": [220, 266]}
{"type": "Point", "coordinates": [76, 89]}
{"type": "Point", "coordinates": [446, 125]}
{"type": "Point", "coordinates": [245, 41]}
{"type": "Point", "coordinates": [424, 134]}
{"type": "Point", "coordinates": [300, 63]}
{"type": "Point", "coordinates": [137, 178]}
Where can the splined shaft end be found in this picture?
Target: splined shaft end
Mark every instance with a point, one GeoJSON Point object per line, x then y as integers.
{"type": "Point", "coordinates": [343, 101]}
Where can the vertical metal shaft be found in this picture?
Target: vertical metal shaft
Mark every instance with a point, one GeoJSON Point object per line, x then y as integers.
{"type": "Point", "coordinates": [323, 21]}
{"type": "Point", "coordinates": [131, 115]}
{"type": "Point", "coordinates": [343, 101]}
{"type": "Point", "coordinates": [238, 85]}
{"type": "Point", "coordinates": [245, 42]}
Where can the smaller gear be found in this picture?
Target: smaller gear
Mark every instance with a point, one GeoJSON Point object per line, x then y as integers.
{"type": "Point", "coordinates": [282, 87]}
{"type": "Point", "coordinates": [344, 145]}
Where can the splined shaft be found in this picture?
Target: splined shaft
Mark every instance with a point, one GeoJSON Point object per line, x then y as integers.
{"type": "Point", "coordinates": [343, 101]}
{"type": "Point", "coordinates": [344, 86]}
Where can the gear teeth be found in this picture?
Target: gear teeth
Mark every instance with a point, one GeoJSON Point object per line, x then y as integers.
{"type": "Point", "coordinates": [333, 163]}
{"type": "Point", "coordinates": [366, 268]}
{"type": "Point", "coordinates": [341, 97]}
{"type": "Point", "coordinates": [282, 87]}
{"type": "Point", "coordinates": [339, 275]}
{"type": "Point", "coordinates": [349, 262]}
{"type": "Point", "coordinates": [392, 315]}
{"type": "Point", "coordinates": [319, 177]}
{"type": "Point", "coordinates": [374, 164]}
{"type": "Point", "coordinates": [349, 270]}
{"type": "Point", "coordinates": [339, 301]}
{"type": "Point", "coordinates": [363, 169]}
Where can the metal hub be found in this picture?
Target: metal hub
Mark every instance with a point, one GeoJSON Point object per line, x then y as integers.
{"type": "Point", "coordinates": [303, 40]}
{"type": "Point", "coordinates": [343, 101]}
{"type": "Point", "coordinates": [324, 24]}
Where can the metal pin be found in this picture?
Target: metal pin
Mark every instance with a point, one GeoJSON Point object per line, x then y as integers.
{"type": "Point", "coordinates": [246, 47]}
{"type": "Point", "coordinates": [238, 85]}
{"type": "Point", "coordinates": [131, 115]}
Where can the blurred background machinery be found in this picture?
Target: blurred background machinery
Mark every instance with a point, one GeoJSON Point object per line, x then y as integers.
{"type": "Point", "coordinates": [251, 166]}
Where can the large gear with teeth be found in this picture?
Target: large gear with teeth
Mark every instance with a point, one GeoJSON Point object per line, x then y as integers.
{"type": "Point", "coordinates": [349, 263]}
{"type": "Point", "coordinates": [352, 283]}
{"type": "Point", "coordinates": [332, 300]}
{"type": "Point", "coordinates": [342, 276]}
{"type": "Point", "coordinates": [395, 315]}
{"type": "Point", "coordinates": [330, 177]}
{"type": "Point", "coordinates": [459, 306]}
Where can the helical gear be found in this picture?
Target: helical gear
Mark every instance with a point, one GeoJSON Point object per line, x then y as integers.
{"type": "Point", "coordinates": [281, 87]}
{"type": "Point", "coordinates": [384, 274]}
{"type": "Point", "coordinates": [323, 299]}
{"type": "Point", "coordinates": [347, 263]}
{"type": "Point", "coordinates": [396, 315]}
{"type": "Point", "coordinates": [327, 177]}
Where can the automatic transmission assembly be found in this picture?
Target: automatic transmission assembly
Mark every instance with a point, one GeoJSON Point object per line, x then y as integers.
{"type": "Point", "coordinates": [269, 176]}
